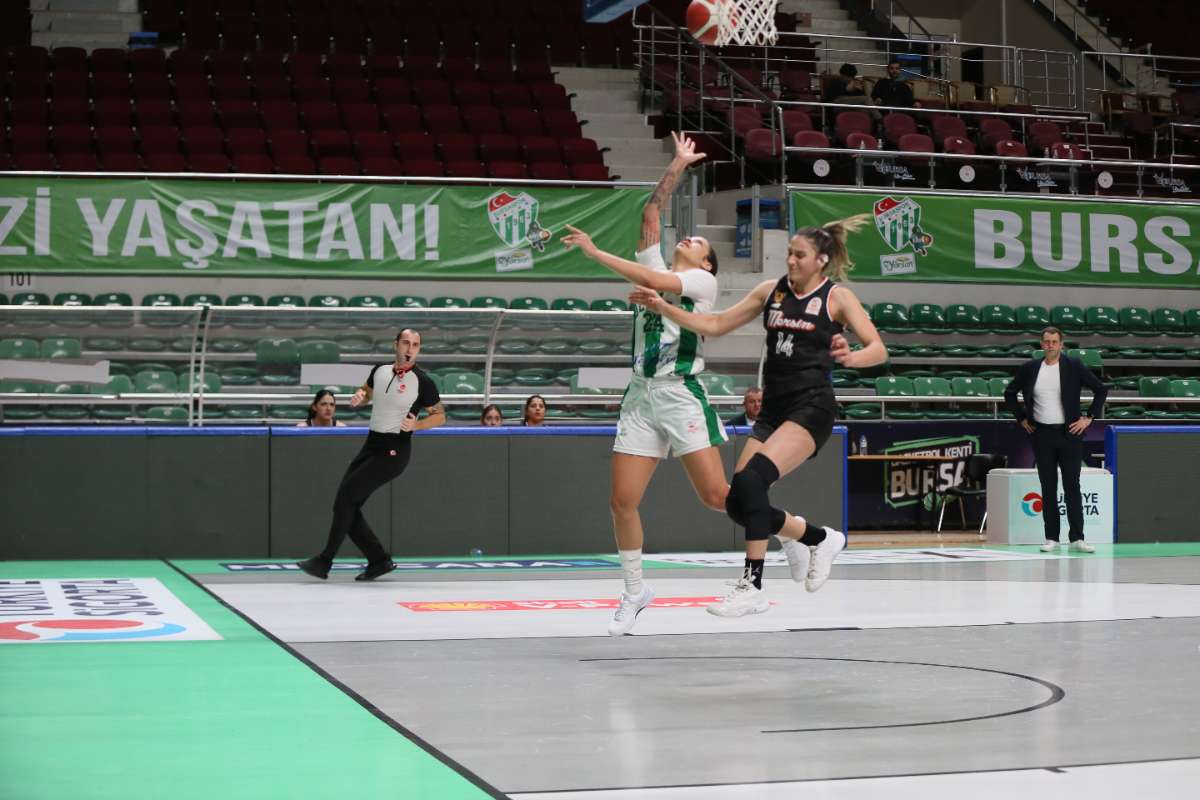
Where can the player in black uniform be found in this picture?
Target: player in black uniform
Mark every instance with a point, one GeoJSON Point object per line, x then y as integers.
{"type": "Point", "coordinates": [804, 314]}
{"type": "Point", "coordinates": [399, 391]}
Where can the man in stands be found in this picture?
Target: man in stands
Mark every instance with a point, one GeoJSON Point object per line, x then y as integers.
{"type": "Point", "coordinates": [892, 90]}
{"type": "Point", "coordinates": [751, 405]}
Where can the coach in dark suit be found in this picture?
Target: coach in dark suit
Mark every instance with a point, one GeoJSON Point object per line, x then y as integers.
{"type": "Point", "coordinates": [1050, 412]}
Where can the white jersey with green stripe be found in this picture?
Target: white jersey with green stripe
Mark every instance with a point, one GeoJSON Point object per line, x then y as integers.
{"type": "Point", "coordinates": [660, 347]}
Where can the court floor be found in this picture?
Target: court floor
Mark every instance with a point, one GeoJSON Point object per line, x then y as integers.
{"type": "Point", "coordinates": [931, 672]}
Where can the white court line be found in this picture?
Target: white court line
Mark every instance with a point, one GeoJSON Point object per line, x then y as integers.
{"type": "Point", "coordinates": [1156, 780]}
{"type": "Point", "coordinates": [342, 611]}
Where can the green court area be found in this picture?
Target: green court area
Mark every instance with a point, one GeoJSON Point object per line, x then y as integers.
{"type": "Point", "coordinates": [238, 717]}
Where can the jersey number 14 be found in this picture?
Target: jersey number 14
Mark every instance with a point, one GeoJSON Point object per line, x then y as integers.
{"type": "Point", "coordinates": [783, 345]}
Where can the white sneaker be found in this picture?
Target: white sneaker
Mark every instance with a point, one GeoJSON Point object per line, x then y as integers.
{"type": "Point", "coordinates": [822, 559]}
{"type": "Point", "coordinates": [798, 557]}
{"type": "Point", "coordinates": [1051, 546]}
{"type": "Point", "coordinates": [628, 610]}
{"type": "Point", "coordinates": [742, 599]}
{"type": "Point", "coordinates": [1080, 546]}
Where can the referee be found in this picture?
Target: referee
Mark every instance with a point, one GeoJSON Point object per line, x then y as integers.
{"type": "Point", "coordinates": [399, 391]}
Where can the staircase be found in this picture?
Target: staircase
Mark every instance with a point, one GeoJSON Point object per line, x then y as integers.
{"type": "Point", "coordinates": [829, 17]}
{"type": "Point", "coordinates": [84, 23]}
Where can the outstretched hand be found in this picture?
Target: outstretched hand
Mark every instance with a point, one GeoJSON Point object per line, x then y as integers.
{"type": "Point", "coordinates": [839, 348]}
{"type": "Point", "coordinates": [685, 148]}
{"type": "Point", "coordinates": [358, 398]}
{"type": "Point", "coordinates": [577, 238]}
{"type": "Point", "coordinates": [647, 298]}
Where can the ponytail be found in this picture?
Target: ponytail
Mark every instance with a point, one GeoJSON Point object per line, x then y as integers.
{"type": "Point", "coordinates": [829, 240]}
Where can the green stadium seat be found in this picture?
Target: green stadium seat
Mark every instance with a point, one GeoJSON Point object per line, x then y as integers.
{"type": "Point", "coordinates": [964, 318]}
{"type": "Point", "coordinates": [408, 301]}
{"type": "Point", "coordinates": [890, 317]}
{"type": "Point", "coordinates": [969, 387]}
{"type": "Point", "coordinates": [502, 376]}
{"type": "Point", "coordinates": [155, 381]}
{"type": "Point", "coordinates": [535, 376]}
{"type": "Point", "coordinates": [103, 344]}
{"type": "Point", "coordinates": [211, 384]}
{"type": "Point", "coordinates": [993, 351]}
{"type": "Point", "coordinates": [897, 348]}
{"type": "Point", "coordinates": [1186, 387]}
{"type": "Point", "coordinates": [31, 320]}
{"type": "Point", "coordinates": [326, 318]}
{"type": "Point", "coordinates": [245, 302]}
{"type": "Point", "coordinates": [598, 347]}
{"type": "Point", "coordinates": [286, 301]}
{"type": "Point", "coordinates": [240, 412]}
{"type": "Point", "coordinates": [288, 413]}
{"type": "Point", "coordinates": [469, 413]}
{"type": "Point", "coordinates": [68, 413]}
{"type": "Point", "coordinates": [862, 411]}
{"type": "Point", "coordinates": [290, 320]}
{"type": "Point", "coordinates": [913, 374]}
{"type": "Point", "coordinates": [429, 347]}
{"type": "Point", "coordinates": [449, 302]}
{"type": "Point", "coordinates": [147, 344]}
{"type": "Point", "coordinates": [462, 383]}
{"type": "Point", "coordinates": [1090, 358]}
{"type": "Point", "coordinates": [72, 300]}
{"type": "Point", "coordinates": [1154, 386]}
{"type": "Point", "coordinates": [1104, 319]}
{"type": "Point", "coordinates": [1128, 382]}
{"type": "Point", "coordinates": [20, 348]}
{"type": "Point", "coordinates": [1168, 352]}
{"type": "Point", "coordinates": [370, 320]}
{"type": "Point", "coordinates": [451, 322]}
{"type": "Point", "coordinates": [319, 351]}
{"type": "Point", "coordinates": [61, 348]}
{"type": "Point", "coordinates": [998, 318]}
{"type": "Point", "coordinates": [1137, 321]}
{"type": "Point", "coordinates": [842, 379]}
{"type": "Point", "coordinates": [1032, 319]}
{"type": "Point", "coordinates": [567, 376]}
{"type": "Point", "coordinates": [569, 304]}
{"type": "Point", "coordinates": [609, 305]}
{"type": "Point", "coordinates": [717, 384]}
{"type": "Point", "coordinates": [1134, 352]}
{"type": "Point", "coordinates": [558, 347]}
{"type": "Point", "coordinates": [202, 299]}
{"type": "Point", "coordinates": [1170, 321]}
{"type": "Point", "coordinates": [22, 412]}
{"type": "Point", "coordinates": [113, 300]}
{"type": "Point", "coordinates": [181, 344]}
{"type": "Point", "coordinates": [162, 300]}
{"type": "Point", "coordinates": [893, 386]}
{"type": "Point", "coordinates": [488, 302]}
{"type": "Point", "coordinates": [169, 415]}
{"type": "Point", "coordinates": [988, 374]}
{"type": "Point", "coordinates": [516, 346]}
{"type": "Point", "coordinates": [117, 384]}
{"type": "Point", "coordinates": [474, 345]}
{"type": "Point", "coordinates": [231, 345]}
{"type": "Point", "coordinates": [927, 318]}
{"type": "Point", "coordinates": [278, 361]}
{"type": "Point", "coordinates": [355, 345]}
{"type": "Point", "coordinates": [1125, 412]}
{"type": "Point", "coordinates": [924, 351]}
{"type": "Point", "coordinates": [935, 387]}
{"type": "Point", "coordinates": [528, 304]}
{"type": "Point", "coordinates": [1068, 318]}
{"type": "Point", "coordinates": [367, 301]}
{"type": "Point", "coordinates": [528, 323]}
{"type": "Point", "coordinates": [996, 386]}
{"type": "Point", "coordinates": [957, 350]}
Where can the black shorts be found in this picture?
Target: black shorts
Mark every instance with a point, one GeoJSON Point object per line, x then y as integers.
{"type": "Point", "coordinates": [814, 409]}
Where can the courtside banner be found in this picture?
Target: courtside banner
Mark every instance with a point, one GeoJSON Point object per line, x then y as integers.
{"type": "Point", "coordinates": [919, 237]}
{"type": "Point", "coordinates": [311, 229]}
{"type": "Point", "coordinates": [54, 610]}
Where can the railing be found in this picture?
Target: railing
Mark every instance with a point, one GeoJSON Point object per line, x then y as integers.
{"type": "Point", "coordinates": [197, 343]}
{"type": "Point", "coordinates": [1148, 63]}
{"type": "Point", "coordinates": [1078, 20]}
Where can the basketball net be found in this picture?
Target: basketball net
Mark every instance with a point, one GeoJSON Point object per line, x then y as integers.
{"type": "Point", "coordinates": [746, 22]}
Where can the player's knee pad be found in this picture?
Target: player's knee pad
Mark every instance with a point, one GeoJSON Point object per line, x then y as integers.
{"type": "Point", "coordinates": [733, 507]}
{"type": "Point", "coordinates": [752, 501]}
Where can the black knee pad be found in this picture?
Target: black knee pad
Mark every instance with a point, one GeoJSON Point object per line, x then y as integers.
{"type": "Point", "coordinates": [733, 507]}
{"type": "Point", "coordinates": [748, 497]}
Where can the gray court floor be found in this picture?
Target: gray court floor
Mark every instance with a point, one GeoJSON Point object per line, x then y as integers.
{"type": "Point", "coordinates": [978, 671]}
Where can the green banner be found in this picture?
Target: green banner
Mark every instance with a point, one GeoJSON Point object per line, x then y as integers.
{"type": "Point", "coordinates": [309, 229]}
{"type": "Point", "coordinates": [920, 237]}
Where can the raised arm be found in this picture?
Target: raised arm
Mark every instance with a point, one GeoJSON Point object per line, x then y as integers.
{"type": "Point", "coordinates": [685, 156]}
{"type": "Point", "coordinates": [846, 309]}
{"type": "Point", "coordinates": [656, 279]}
{"type": "Point", "coordinates": [717, 324]}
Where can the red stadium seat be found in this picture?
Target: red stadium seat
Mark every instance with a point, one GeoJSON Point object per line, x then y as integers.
{"type": "Point", "coordinates": [383, 165]}
{"type": "Point", "coordinates": [541, 149]}
{"type": "Point", "coordinates": [896, 126]}
{"type": "Point", "coordinates": [209, 162]}
{"type": "Point", "coordinates": [403, 119]}
{"type": "Point", "coordinates": [524, 122]}
{"type": "Point", "coordinates": [590, 172]}
{"type": "Point", "coordinates": [331, 143]}
{"type": "Point", "coordinates": [443, 119]}
{"type": "Point", "coordinates": [165, 162]}
{"type": "Point", "coordinates": [858, 140]}
{"type": "Point", "coordinates": [499, 147]}
{"type": "Point", "coordinates": [283, 143]}
{"type": "Point", "coordinates": [507, 170]}
{"type": "Point", "coordinates": [465, 169]}
{"type": "Point", "coordinates": [850, 122]}
{"type": "Point", "coordinates": [247, 141]}
{"type": "Point", "coordinates": [368, 144]}
{"type": "Point", "coordinates": [338, 165]}
{"type": "Point", "coordinates": [253, 163]}
{"type": "Point", "coordinates": [563, 124]}
{"type": "Point", "coordinates": [425, 168]}
{"type": "Point", "coordinates": [414, 147]}
{"type": "Point", "coordinates": [549, 171]}
{"type": "Point", "coordinates": [295, 165]}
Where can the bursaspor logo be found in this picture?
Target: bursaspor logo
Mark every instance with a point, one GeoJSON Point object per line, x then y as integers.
{"type": "Point", "coordinates": [899, 224]}
{"type": "Point", "coordinates": [514, 219]}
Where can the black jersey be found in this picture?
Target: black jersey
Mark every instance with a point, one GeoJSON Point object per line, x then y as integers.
{"type": "Point", "coordinates": [799, 334]}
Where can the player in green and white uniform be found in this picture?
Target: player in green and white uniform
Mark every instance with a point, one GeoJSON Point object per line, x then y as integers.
{"type": "Point", "coordinates": [665, 409]}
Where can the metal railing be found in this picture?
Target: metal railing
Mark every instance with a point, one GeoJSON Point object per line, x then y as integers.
{"type": "Point", "coordinates": [1149, 69]}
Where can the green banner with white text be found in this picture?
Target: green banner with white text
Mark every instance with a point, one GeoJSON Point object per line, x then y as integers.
{"type": "Point", "coordinates": [328, 230]}
{"type": "Point", "coordinates": [942, 238]}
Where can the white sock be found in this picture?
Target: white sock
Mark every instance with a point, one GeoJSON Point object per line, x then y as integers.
{"type": "Point", "coordinates": [631, 565]}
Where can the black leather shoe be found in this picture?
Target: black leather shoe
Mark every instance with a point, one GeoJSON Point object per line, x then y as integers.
{"type": "Point", "coordinates": [374, 571]}
{"type": "Point", "coordinates": [315, 567]}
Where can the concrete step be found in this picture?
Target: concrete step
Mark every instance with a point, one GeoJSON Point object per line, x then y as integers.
{"type": "Point", "coordinates": [625, 144]}
{"type": "Point", "coordinates": [613, 97]}
{"type": "Point", "coordinates": [85, 22]}
{"type": "Point", "coordinates": [576, 79]}
{"type": "Point", "coordinates": [717, 233]}
{"type": "Point", "coordinates": [88, 41]}
{"type": "Point", "coordinates": [657, 161]}
{"type": "Point", "coordinates": [637, 173]}
{"type": "Point", "coordinates": [84, 5]}
{"type": "Point", "coordinates": [599, 128]}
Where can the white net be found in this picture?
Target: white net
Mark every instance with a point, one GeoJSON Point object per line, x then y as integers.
{"type": "Point", "coordinates": [747, 22]}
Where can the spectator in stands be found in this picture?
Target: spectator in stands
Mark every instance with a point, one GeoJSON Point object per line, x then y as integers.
{"type": "Point", "coordinates": [398, 392]}
{"type": "Point", "coordinates": [322, 412]}
{"type": "Point", "coordinates": [845, 88]}
{"type": "Point", "coordinates": [534, 412]}
{"type": "Point", "coordinates": [491, 417]}
{"type": "Point", "coordinates": [893, 90]}
{"type": "Point", "coordinates": [1050, 413]}
{"type": "Point", "coordinates": [751, 405]}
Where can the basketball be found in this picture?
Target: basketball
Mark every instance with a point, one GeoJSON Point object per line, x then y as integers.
{"type": "Point", "coordinates": [703, 19]}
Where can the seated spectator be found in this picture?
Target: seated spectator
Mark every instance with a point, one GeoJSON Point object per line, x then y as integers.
{"type": "Point", "coordinates": [846, 88]}
{"type": "Point", "coordinates": [322, 411]}
{"type": "Point", "coordinates": [893, 90]}
{"type": "Point", "coordinates": [535, 410]}
{"type": "Point", "coordinates": [752, 405]}
{"type": "Point", "coordinates": [491, 417]}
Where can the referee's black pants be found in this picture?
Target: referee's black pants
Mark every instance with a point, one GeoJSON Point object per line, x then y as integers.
{"type": "Point", "coordinates": [382, 458]}
{"type": "Point", "coordinates": [1056, 449]}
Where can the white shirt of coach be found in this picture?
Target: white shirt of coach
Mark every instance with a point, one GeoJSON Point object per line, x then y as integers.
{"type": "Point", "coordinates": [1047, 396]}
